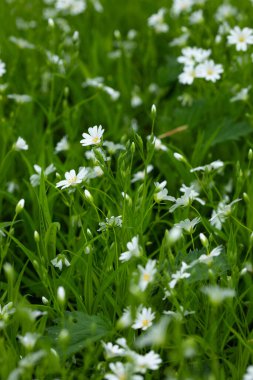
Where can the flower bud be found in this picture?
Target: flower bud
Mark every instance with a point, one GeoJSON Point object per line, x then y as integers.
{"type": "Point", "coordinates": [20, 206]}
{"type": "Point", "coordinates": [179, 157]}
{"type": "Point", "coordinates": [204, 240]}
{"type": "Point", "coordinates": [36, 236]}
{"type": "Point", "coordinates": [61, 295]}
{"type": "Point", "coordinates": [50, 23]}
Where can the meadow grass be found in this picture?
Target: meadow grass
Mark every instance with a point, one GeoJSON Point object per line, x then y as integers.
{"type": "Point", "coordinates": [126, 249]}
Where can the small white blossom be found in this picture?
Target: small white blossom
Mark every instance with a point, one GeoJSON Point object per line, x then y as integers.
{"type": "Point", "coordinates": [134, 250]}
{"type": "Point", "coordinates": [179, 275]}
{"type": "Point", "coordinates": [143, 363]}
{"type": "Point", "coordinates": [29, 340]}
{"type": "Point", "coordinates": [156, 21]}
{"type": "Point", "coordinates": [20, 144]}
{"type": "Point", "coordinates": [241, 38]}
{"type": "Point", "coordinates": [217, 294]}
{"type": "Point", "coordinates": [188, 225]}
{"type": "Point", "coordinates": [62, 145]}
{"type": "Point", "coordinates": [2, 68]}
{"type": "Point", "coordinates": [139, 176]}
{"type": "Point", "coordinates": [143, 319]}
{"type": "Point", "coordinates": [112, 222]}
{"type": "Point", "coordinates": [71, 7]}
{"type": "Point", "coordinates": [112, 350]}
{"type": "Point", "coordinates": [215, 165]}
{"type": "Point", "coordinates": [249, 374]}
{"type": "Point", "coordinates": [158, 144]}
{"type": "Point", "coordinates": [242, 95]}
{"type": "Point", "coordinates": [73, 179]}
{"type": "Point", "coordinates": [209, 70]}
{"type": "Point", "coordinates": [147, 274]}
{"type": "Point", "coordinates": [59, 261]}
{"type": "Point", "coordinates": [93, 137]}
{"type": "Point", "coordinates": [35, 178]}
{"type": "Point", "coordinates": [223, 211]}
{"type": "Point", "coordinates": [161, 193]}
{"type": "Point", "coordinates": [20, 98]}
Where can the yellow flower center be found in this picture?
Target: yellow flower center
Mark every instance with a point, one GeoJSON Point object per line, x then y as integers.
{"type": "Point", "coordinates": [146, 277]}
{"type": "Point", "coordinates": [145, 322]}
{"type": "Point", "coordinates": [241, 38]}
{"type": "Point", "coordinates": [72, 180]}
{"type": "Point", "coordinates": [96, 140]}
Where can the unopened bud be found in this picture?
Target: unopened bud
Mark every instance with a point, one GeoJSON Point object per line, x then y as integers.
{"type": "Point", "coordinates": [36, 236]}
{"type": "Point", "coordinates": [51, 23]}
{"type": "Point", "coordinates": [250, 154]}
{"type": "Point", "coordinates": [203, 240]}
{"type": "Point", "coordinates": [44, 300]}
{"type": "Point", "coordinates": [153, 111]}
{"type": "Point", "coordinates": [76, 36]}
{"type": "Point", "coordinates": [88, 195]}
{"type": "Point", "coordinates": [20, 206]}
{"type": "Point", "coordinates": [132, 148]}
{"type": "Point", "coordinates": [61, 295]}
{"type": "Point", "coordinates": [64, 337]}
{"type": "Point", "coordinates": [179, 157]}
{"type": "Point", "coordinates": [9, 271]}
{"type": "Point", "coordinates": [245, 197]}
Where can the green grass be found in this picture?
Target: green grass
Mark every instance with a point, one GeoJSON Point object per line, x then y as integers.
{"type": "Point", "coordinates": [214, 340]}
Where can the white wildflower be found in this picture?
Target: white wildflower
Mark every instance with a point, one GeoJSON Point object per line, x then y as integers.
{"type": "Point", "coordinates": [134, 250]}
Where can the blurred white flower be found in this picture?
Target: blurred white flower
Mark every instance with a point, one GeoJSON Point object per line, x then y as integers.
{"type": "Point", "coordinates": [134, 250]}
{"type": "Point", "coordinates": [62, 145]}
{"type": "Point", "coordinates": [157, 22]}
{"type": "Point", "coordinates": [35, 178]}
{"type": "Point", "coordinates": [112, 222]}
{"type": "Point", "coordinates": [20, 144]}
{"type": "Point", "coordinates": [209, 70]}
{"type": "Point", "coordinates": [2, 68]}
{"type": "Point", "coordinates": [59, 261]}
{"type": "Point", "coordinates": [139, 176]}
{"type": "Point", "coordinates": [241, 38]}
{"type": "Point", "coordinates": [217, 294]}
{"type": "Point", "coordinates": [147, 274]}
{"type": "Point", "coordinates": [29, 340]}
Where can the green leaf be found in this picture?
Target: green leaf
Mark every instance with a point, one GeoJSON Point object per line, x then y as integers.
{"type": "Point", "coordinates": [50, 239]}
{"type": "Point", "coordinates": [83, 329]}
{"type": "Point", "coordinates": [231, 130]}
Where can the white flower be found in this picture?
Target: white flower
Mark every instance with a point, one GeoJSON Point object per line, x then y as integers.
{"type": "Point", "coordinates": [155, 336]}
{"type": "Point", "coordinates": [188, 75]}
{"type": "Point", "coordinates": [223, 211]}
{"type": "Point", "coordinates": [188, 225]}
{"type": "Point", "coordinates": [35, 178]}
{"type": "Point", "coordinates": [179, 314]}
{"type": "Point", "coordinates": [241, 38]}
{"type": "Point", "coordinates": [59, 261]}
{"type": "Point", "coordinates": [112, 350]}
{"type": "Point", "coordinates": [73, 179]}
{"type": "Point", "coordinates": [121, 371]}
{"type": "Point", "coordinates": [20, 98]}
{"type": "Point", "coordinates": [112, 147]}
{"type": "Point", "coordinates": [149, 361]}
{"type": "Point", "coordinates": [20, 205]}
{"type": "Point", "coordinates": [147, 274]}
{"type": "Point", "coordinates": [161, 193]}
{"type": "Point", "coordinates": [179, 275]}
{"type": "Point", "coordinates": [242, 95]}
{"type": "Point", "coordinates": [158, 144]}
{"type": "Point", "coordinates": [225, 11]}
{"type": "Point", "coordinates": [112, 222]}
{"type": "Point", "coordinates": [5, 312]}
{"type": "Point", "coordinates": [180, 6]}
{"type": "Point", "coordinates": [192, 55]}
{"type": "Point", "coordinates": [21, 43]}
{"type": "Point", "coordinates": [139, 176]}
{"type": "Point", "coordinates": [126, 318]}
{"type": "Point", "coordinates": [143, 318]}
{"type": "Point", "coordinates": [249, 374]}
{"type": "Point", "coordinates": [209, 167]}
{"type": "Point", "coordinates": [196, 17]}
{"type": "Point", "coordinates": [61, 294]}
{"type": "Point", "coordinates": [206, 259]}
{"type": "Point", "coordinates": [62, 145]}
{"type": "Point", "coordinates": [134, 250]}
{"type": "Point", "coordinates": [93, 137]}
{"type": "Point", "coordinates": [73, 7]}
{"type": "Point", "coordinates": [217, 294]}
{"type": "Point", "coordinates": [2, 68]}
{"type": "Point", "coordinates": [156, 21]}
{"type": "Point", "coordinates": [29, 340]}
{"type": "Point", "coordinates": [209, 70]}
{"type": "Point", "coordinates": [20, 144]}
{"type": "Point", "coordinates": [190, 194]}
